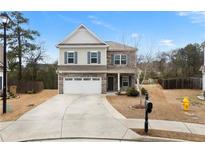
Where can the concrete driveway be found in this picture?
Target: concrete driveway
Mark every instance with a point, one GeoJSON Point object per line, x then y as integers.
{"type": "Point", "coordinates": [68, 116]}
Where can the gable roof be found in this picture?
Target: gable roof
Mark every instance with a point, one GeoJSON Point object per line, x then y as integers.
{"type": "Point", "coordinates": [82, 36]}
{"type": "Point", "coordinates": [115, 46]}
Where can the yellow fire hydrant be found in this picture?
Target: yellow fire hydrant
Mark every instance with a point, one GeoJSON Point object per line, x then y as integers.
{"type": "Point", "coordinates": [185, 104]}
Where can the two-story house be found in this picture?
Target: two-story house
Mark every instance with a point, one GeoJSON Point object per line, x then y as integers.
{"type": "Point", "coordinates": [89, 65]}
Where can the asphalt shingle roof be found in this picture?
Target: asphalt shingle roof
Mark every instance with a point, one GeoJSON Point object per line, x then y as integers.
{"type": "Point", "coordinates": [115, 46]}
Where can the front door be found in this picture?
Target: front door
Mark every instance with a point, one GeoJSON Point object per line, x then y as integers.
{"type": "Point", "coordinates": [110, 83]}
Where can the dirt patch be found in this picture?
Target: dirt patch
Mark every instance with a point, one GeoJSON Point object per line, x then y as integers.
{"type": "Point", "coordinates": [166, 105]}
{"type": "Point", "coordinates": [24, 103]}
{"type": "Point", "coordinates": [171, 134]}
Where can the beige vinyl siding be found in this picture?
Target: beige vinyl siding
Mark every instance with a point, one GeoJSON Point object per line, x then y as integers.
{"type": "Point", "coordinates": [82, 55]}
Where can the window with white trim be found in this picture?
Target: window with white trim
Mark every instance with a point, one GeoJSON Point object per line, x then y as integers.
{"type": "Point", "coordinates": [125, 81]}
{"type": "Point", "coordinates": [71, 57]}
{"type": "Point", "coordinates": [117, 59]}
{"type": "Point", "coordinates": [68, 79]}
{"type": "Point", "coordinates": [123, 59]}
{"type": "Point", "coordinates": [93, 57]}
{"type": "Point", "coordinates": [78, 79]}
{"type": "Point", "coordinates": [86, 79]}
{"type": "Point", "coordinates": [120, 59]}
{"type": "Point", "coordinates": [96, 79]}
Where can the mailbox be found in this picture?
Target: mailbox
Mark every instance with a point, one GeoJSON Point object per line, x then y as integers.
{"type": "Point", "coordinates": [149, 107]}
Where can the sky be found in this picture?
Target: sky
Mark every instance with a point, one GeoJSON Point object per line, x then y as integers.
{"type": "Point", "coordinates": [148, 31]}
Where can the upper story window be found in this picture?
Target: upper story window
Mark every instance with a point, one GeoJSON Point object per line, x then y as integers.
{"type": "Point", "coordinates": [120, 59]}
{"type": "Point", "coordinates": [124, 59]}
{"type": "Point", "coordinates": [117, 59]}
{"type": "Point", "coordinates": [71, 57]}
{"type": "Point", "coordinates": [93, 57]}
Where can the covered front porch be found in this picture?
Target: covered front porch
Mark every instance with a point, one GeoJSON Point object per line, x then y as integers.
{"type": "Point", "coordinates": [120, 81]}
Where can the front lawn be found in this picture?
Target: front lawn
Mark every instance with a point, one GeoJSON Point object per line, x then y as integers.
{"type": "Point", "coordinates": [167, 105]}
{"type": "Point", "coordinates": [24, 103]}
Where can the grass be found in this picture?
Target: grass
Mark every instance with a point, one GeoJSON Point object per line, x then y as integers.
{"type": "Point", "coordinates": [23, 103]}
{"type": "Point", "coordinates": [166, 105]}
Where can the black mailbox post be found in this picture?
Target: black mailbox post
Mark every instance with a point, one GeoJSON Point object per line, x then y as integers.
{"type": "Point", "coordinates": [148, 109]}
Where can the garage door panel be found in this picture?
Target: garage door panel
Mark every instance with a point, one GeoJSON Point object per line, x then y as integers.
{"type": "Point", "coordinates": [84, 86]}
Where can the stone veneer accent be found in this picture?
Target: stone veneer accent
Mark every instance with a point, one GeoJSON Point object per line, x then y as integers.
{"type": "Point", "coordinates": [62, 75]}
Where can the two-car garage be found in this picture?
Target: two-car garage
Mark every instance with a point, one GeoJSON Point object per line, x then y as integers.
{"type": "Point", "coordinates": [82, 85]}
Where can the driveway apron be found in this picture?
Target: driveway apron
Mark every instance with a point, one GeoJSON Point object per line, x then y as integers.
{"type": "Point", "coordinates": [68, 116]}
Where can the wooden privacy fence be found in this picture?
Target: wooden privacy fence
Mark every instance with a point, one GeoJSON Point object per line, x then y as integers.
{"type": "Point", "coordinates": [25, 86]}
{"type": "Point", "coordinates": [181, 83]}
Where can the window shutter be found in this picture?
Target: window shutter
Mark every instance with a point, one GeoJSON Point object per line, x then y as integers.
{"type": "Point", "coordinates": [65, 58]}
{"type": "Point", "coordinates": [76, 57]}
{"type": "Point", "coordinates": [99, 57]}
{"type": "Point", "coordinates": [112, 59]}
{"type": "Point", "coordinates": [88, 56]}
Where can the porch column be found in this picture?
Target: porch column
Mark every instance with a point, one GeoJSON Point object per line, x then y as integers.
{"type": "Point", "coordinates": [118, 82]}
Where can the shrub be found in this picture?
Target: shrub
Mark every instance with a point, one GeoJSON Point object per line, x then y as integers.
{"type": "Point", "coordinates": [143, 91]}
{"type": "Point", "coordinates": [132, 92]}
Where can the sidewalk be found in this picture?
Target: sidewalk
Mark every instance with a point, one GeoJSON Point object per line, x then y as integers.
{"type": "Point", "coordinates": [166, 125]}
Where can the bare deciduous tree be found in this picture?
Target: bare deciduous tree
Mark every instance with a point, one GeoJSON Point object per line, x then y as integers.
{"type": "Point", "coordinates": [34, 57]}
{"type": "Point", "coordinates": [143, 64]}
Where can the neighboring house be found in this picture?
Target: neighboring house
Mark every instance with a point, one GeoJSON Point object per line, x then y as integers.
{"type": "Point", "coordinates": [87, 64]}
{"type": "Point", "coordinates": [1, 68]}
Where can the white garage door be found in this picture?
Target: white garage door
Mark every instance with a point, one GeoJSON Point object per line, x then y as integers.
{"type": "Point", "coordinates": [82, 85]}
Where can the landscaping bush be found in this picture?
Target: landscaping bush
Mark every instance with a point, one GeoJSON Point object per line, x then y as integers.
{"type": "Point", "coordinates": [143, 91]}
{"type": "Point", "coordinates": [132, 92]}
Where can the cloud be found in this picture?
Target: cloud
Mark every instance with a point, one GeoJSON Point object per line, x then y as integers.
{"type": "Point", "coordinates": [135, 35]}
{"type": "Point", "coordinates": [182, 13]}
{"type": "Point", "coordinates": [194, 17]}
{"type": "Point", "coordinates": [167, 42]}
{"type": "Point", "coordinates": [95, 20]}
{"type": "Point", "coordinates": [68, 19]}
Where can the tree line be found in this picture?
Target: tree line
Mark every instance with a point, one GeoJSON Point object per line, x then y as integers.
{"type": "Point", "coordinates": [24, 52]}
{"type": "Point", "coordinates": [178, 63]}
